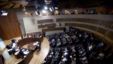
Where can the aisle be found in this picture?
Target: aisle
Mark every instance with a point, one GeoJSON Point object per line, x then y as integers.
{"type": "Point", "coordinates": [39, 57]}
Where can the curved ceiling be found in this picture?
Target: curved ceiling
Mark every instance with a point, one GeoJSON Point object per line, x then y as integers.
{"type": "Point", "coordinates": [8, 4]}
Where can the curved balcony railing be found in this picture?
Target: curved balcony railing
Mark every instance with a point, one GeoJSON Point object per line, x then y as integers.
{"type": "Point", "coordinates": [101, 25]}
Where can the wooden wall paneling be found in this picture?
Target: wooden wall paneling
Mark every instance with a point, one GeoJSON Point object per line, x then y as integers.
{"type": "Point", "coordinates": [15, 25]}
{"type": "Point", "coordinates": [3, 27]}
{"type": "Point", "coordinates": [9, 26]}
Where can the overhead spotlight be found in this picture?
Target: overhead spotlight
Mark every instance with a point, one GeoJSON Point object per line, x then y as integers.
{"type": "Point", "coordinates": [56, 8]}
{"type": "Point", "coordinates": [45, 7]}
{"type": "Point", "coordinates": [4, 13]}
{"type": "Point", "coordinates": [44, 11]}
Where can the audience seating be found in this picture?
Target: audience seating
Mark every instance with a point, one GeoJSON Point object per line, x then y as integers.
{"type": "Point", "coordinates": [74, 46]}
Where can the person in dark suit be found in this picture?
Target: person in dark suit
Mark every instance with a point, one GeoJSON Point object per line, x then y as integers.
{"type": "Point", "coordinates": [23, 52]}
{"type": "Point", "coordinates": [37, 45]}
{"type": "Point", "coordinates": [12, 47]}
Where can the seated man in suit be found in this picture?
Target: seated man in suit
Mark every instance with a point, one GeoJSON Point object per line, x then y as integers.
{"type": "Point", "coordinates": [12, 47]}
{"type": "Point", "coordinates": [37, 45]}
{"type": "Point", "coordinates": [22, 53]}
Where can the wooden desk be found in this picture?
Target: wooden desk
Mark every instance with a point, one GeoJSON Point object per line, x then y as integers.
{"type": "Point", "coordinates": [25, 41]}
{"type": "Point", "coordinates": [28, 41]}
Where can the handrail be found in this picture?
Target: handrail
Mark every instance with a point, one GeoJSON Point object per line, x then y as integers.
{"type": "Point", "coordinates": [96, 25]}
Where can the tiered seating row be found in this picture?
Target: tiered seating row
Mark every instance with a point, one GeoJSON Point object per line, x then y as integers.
{"type": "Point", "coordinates": [74, 46]}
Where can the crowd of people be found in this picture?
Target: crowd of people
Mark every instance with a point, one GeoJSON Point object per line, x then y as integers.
{"type": "Point", "coordinates": [76, 11]}
{"type": "Point", "coordinates": [74, 46]}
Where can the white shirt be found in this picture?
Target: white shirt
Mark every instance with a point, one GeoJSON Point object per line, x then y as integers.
{"type": "Point", "coordinates": [35, 43]}
{"type": "Point", "coordinates": [14, 45]}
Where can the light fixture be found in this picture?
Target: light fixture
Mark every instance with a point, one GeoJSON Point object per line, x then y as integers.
{"type": "Point", "coordinates": [44, 11]}
{"type": "Point", "coordinates": [4, 13]}
{"type": "Point", "coordinates": [45, 7]}
{"type": "Point", "coordinates": [56, 8]}
{"type": "Point", "coordinates": [51, 9]}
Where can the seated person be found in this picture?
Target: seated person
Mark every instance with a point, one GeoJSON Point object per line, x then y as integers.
{"type": "Point", "coordinates": [22, 53]}
{"type": "Point", "coordinates": [17, 50]}
{"type": "Point", "coordinates": [37, 45]}
{"type": "Point", "coordinates": [12, 47]}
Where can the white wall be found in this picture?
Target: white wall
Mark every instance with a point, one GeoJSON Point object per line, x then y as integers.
{"type": "Point", "coordinates": [30, 25]}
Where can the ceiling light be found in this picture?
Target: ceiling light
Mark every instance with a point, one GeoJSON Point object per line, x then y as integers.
{"type": "Point", "coordinates": [45, 7]}
{"type": "Point", "coordinates": [44, 11]}
{"type": "Point", "coordinates": [56, 7]}
{"type": "Point", "coordinates": [4, 13]}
